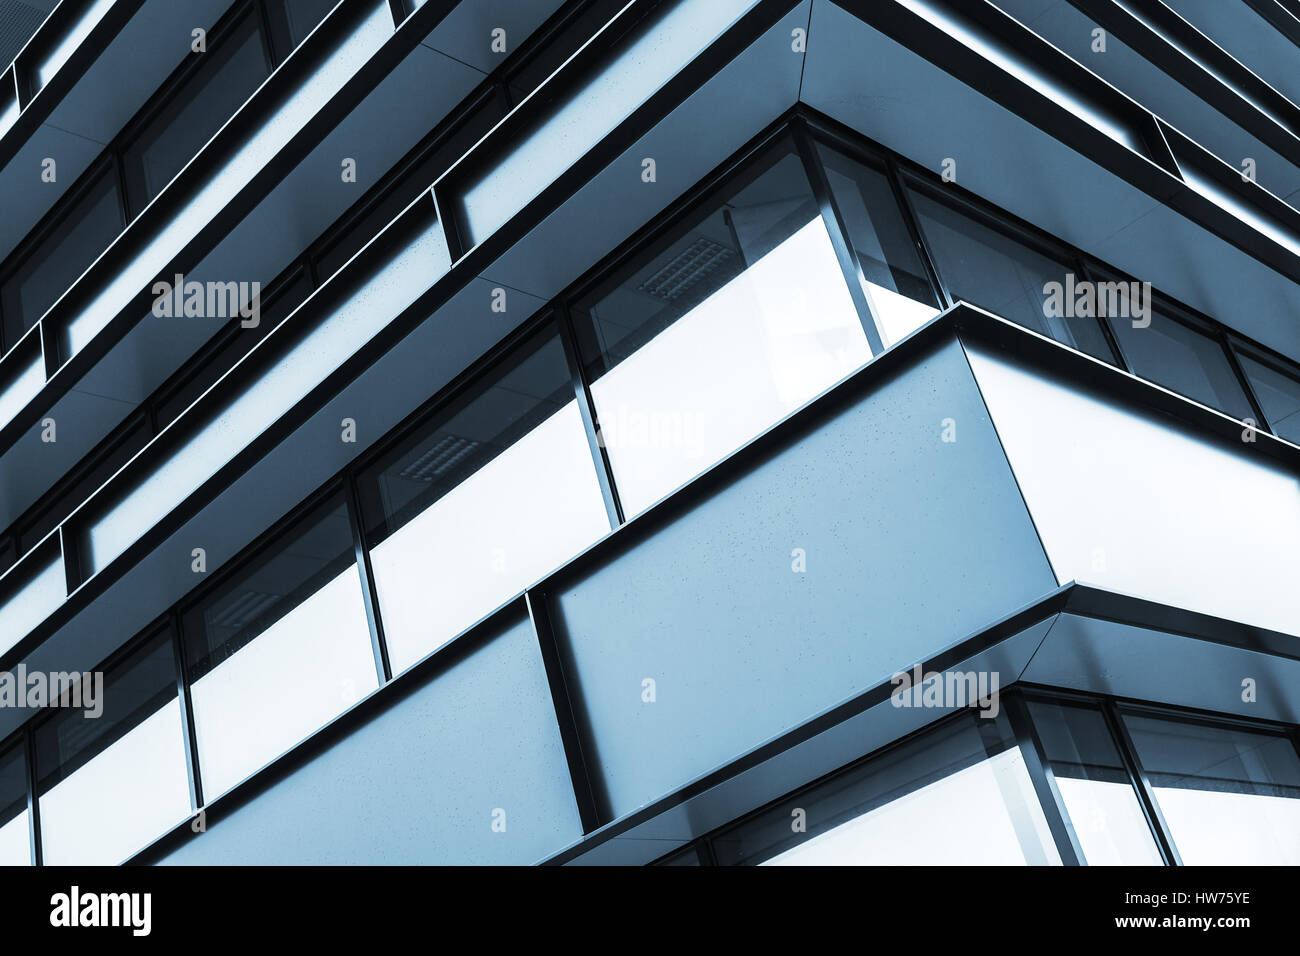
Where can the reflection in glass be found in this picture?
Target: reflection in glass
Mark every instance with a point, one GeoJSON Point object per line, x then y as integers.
{"type": "Point", "coordinates": [110, 785]}
{"type": "Point", "coordinates": [1183, 360]}
{"type": "Point", "coordinates": [715, 335]}
{"type": "Point", "coordinates": [279, 650]}
{"type": "Point", "coordinates": [1278, 391]}
{"type": "Point", "coordinates": [958, 795]}
{"type": "Point", "coordinates": [15, 838]}
{"type": "Point", "coordinates": [225, 78]}
{"type": "Point", "coordinates": [1228, 796]}
{"type": "Point", "coordinates": [900, 296]}
{"type": "Point", "coordinates": [1098, 794]}
{"type": "Point", "coordinates": [990, 269]}
{"type": "Point", "coordinates": [481, 502]}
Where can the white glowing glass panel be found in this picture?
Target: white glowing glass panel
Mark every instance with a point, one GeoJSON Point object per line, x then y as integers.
{"type": "Point", "coordinates": [986, 814]}
{"type": "Point", "coordinates": [289, 681]}
{"type": "Point", "coordinates": [764, 344]}
{"type": "Point", "coordinates": [122, 799]}
{"type": "Point", "coordinates": [521, 515]}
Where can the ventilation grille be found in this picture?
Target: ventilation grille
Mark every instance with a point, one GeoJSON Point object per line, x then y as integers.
{"type": "Point", "coordinates": [446, 453]}
{"type": "Point", "coordinates": [699, 264]}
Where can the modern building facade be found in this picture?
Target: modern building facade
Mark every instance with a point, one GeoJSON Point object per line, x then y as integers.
{"type": "Point", "coordinates": [685, 431]}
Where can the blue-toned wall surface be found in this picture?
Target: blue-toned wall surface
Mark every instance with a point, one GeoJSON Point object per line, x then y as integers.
{"type": "Point", "coordinates": [420, 782]}
{"type": "Point", "coordinates": [911, 543]}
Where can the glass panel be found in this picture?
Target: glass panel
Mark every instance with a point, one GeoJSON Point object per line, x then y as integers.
{"type": "Point", "coordinates": [416, 178]}
{"type": "Point", "coordinates": [226, 76]}
{"type": "Point", "coordinates": [279, 650]}
{"type": "Point", "coordinates": [1183, 360]}
{"type": "Point", "coordinates": [900, 295]}
{"type": "Point", "coordinates": [92, 222]}
{"type": "Point", "coordinates": [483, 501]}
{"type": "Point", "coordinates": [231, 345]}
{"type": "Point", "coordinates": [958, 795]}
{"type": "Point", "coordinates": [110, 784]}
{"type": "Point", "coordinates": [15, 835]}
{"type": "Point", "coordinates": [718, 333]}
{"type": "Point", "coordinates": [1278, 392]}
{"type": "Point", "coordinates": [303, 16]}
{"type": "Point", "coordinates": [1095, 786]}
{"type": "Point", "coordinates": [996, 272]}
{"type": "Point", "coordinates": [1228, 796]}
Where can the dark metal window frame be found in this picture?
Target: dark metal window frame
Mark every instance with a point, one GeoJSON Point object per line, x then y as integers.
{"type": "Point", "coordinates": [345, 481]}
{"type": "Point", "coordinates": [1015, 700]}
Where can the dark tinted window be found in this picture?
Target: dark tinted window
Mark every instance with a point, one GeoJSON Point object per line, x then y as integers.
{"type": "Point", "coordinates": [226, 75]}
{"type": "Point", "coordinates": [995, 271]}
{"type": "Point", "coordinates": [1277, 386]}
{"type": "Point", "coordinates": [1182, 359]}
{"type": "Point", "coordinates": [15, 840]}
{"type": "Point", "coordinates": [90, 224]}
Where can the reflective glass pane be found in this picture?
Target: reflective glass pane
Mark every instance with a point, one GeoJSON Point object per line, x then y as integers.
{"type": "Point", "coordinates": [958, 795]}
{"type": "Point", "coordinates": [91, 223]}
{"type": "Point", "coordinates": [717, 333]}
{"type": "Point", "coordinates": [226, 76]}
{"type": "Point", "coordinates": [1229, 796]}
{"type": "Point", "coordinates": [1278, 392]}
{"type": "Point", "coordinates": [303, 16]}
{"type": "Point", "coordinates": [482, 501]}
{"type": "Point", "coordinates": [109, 784]}
{"type": "Point", "coordinates": [1183, 360]}
{"type": "Point", "coordinates": [1098, 794]}
{"type": "Point", "coordinates": [278, 650]}
{"type": "Point", "coordinates": [900, 295]}
{"type": "Point", "coordinates": [15, 838]}
{"type": "Point", "coordinates": [991, 269]}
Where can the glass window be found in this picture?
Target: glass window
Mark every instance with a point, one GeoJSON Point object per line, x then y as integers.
{"type": "Point", "coordinates": [100, 465]}
{"type": "Point", "coordinates": [1228, 796]}
{"type": "Point", "coordinates": [225, 77]}
{"type": "Point", "coordinates": [278, 650]}
{"type": "Point", "coordinates": [717, 333]}
{"type": "Point", "coordinates": [91, 223]}
{"type": "Point", "coordinates": [15, 834]}
{"type": "Point", "coordinates": [109, 784]}
{"type": "Point", "coordinates": [1095, 786]}
{"type": "Point", "coordinates": [900, 295]}
{"type": "Point", "coordinates": [1278, 391]}
{"type": "Point", "coordinates": [481, 502]}
{"type": "Point", "coordinates": [294, 19]}
{"type": "Point", "coordinates": [1183, 360]}
{"type": "Point", "coordinates": [417, 177]}
{"type": "Point", "coordinates": [958, 795]}
{"type": "Point", "coordinates": [228, 347]}
{"type": "Point", "coordinates": [552, 52]}
{"type": "Point", "coordinates": [990, 269]}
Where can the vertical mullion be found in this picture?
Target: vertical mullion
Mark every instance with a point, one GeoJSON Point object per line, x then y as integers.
{"type": "Point", "coordinates": [1141, 785]}
{"type": "Point", "coordinates": [1044, 780]}
{"type": "Point", "coordinates": [590, 422]}
{"type": "Point", "coordinates": [908, 211]}
{"type": "Point", "coordinates": [369, 593]}
{"type": "Point", "coordinates": [1112, 340]}
{"type": "Point", "coordinates": [838, 233]}
{"type": "Point", "coordinates": [584, 793]}
{"type": "Point", "coordinates": [1261, 421]}
{"type": "Point", "coordinates": [187, 714]}
{"type": "Point", "coordinates": [33, 804]}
